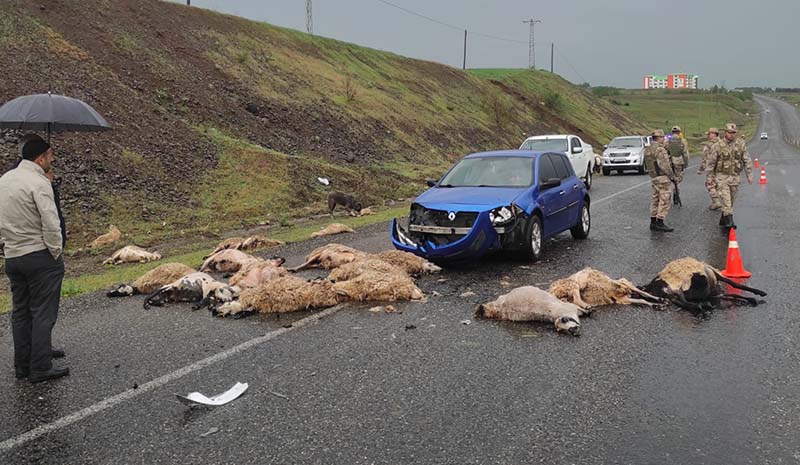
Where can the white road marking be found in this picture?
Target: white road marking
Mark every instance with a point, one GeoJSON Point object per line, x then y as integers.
{"type": "Point", "coordinates": [636, 186]}
{"type": "Point", "coordinates": [110, 402]}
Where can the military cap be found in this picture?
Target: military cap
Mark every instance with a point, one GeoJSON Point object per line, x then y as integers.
{"type": "Point", "coordinates": [730, 127]}
{"type": "Point", "coordinates": [676, 129]}
{"type": "Point", "coordinates": [714, 130]}
{"type": "Point", "coordinates": [658, 133]}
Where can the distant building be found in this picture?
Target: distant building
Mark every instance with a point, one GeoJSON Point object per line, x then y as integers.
{"type": "Point", "coordinates": [671, 81]}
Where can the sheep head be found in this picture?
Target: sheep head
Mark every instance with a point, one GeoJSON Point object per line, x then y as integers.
{"type": "Point", "coordinates": [569, 325]}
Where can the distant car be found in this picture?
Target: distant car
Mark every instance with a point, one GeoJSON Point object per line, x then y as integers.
{"type": "Point", "coordinates": [488, 201]}
{"type": "Point", "coordinates": [579, 153]}
{"type": "Point", "coordinates": [764, 136]}
{"type": "Point", "coordinates": [625, 153]}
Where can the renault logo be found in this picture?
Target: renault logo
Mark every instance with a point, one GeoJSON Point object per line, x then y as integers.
{"type": "Point", "coordinates": [451, 216]}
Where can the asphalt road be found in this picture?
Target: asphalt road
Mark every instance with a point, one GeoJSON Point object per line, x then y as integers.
{"type": "Point", "coordinates": [348, 386]}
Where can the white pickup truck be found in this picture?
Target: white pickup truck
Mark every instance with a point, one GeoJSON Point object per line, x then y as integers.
{"type": "Point", "coordinates": [577, 151]}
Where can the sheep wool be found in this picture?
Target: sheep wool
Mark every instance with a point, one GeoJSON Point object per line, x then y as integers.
{"type": "Point", "coordinates": [113, 235]}
{"type": "Point", "coordinates": [161, 276]}
{"type": "Point", "coordinates": [131, 254]}
{"type": "Point", "coordinates": [227, 261]}
{"type": "Point", "coordinates": [329, 257]}
{"type": "Point", "coordinates": [249, 243]}
{"type": "Point", "coordinates": [257, 272]}
{"type": "Point", "coordinates": [372, 285]}
{"type": "Point", "coordinates": [591, 288]}
{"type": "Point", "coordinates": [286, 294]}
{"type": "Point", "coordinates": [410, 263]}
{"type": "Point", "coordinates": [529, 303]}
{"type": "Point", "coordinates": [333, 228]}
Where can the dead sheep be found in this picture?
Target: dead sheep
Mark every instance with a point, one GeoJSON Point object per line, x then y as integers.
{"type": "Point", "coordinates": [329, 257]}
{"type": "Point", "coordinates": [372, 285]}
{"type": "Point", "coordinates": [258, 272]}
{"type": "Point", "coordinates": [367, 263]}
{"type": "Point", "coordinates": [529, 303]}
{"type": "Point", "coordinates": [132, 254]}
{"type": "Point", "coordinates": [113, 235]}
{"type": "Point", "coordinates": [333, 228]}
{"type": "Point", "coordinates": [152, 280]}
{"type": "Point", "coordinates": [286, 294]}
{"type": "Point", "coordinates": [591, 288]}
{"type": "Point", "coordinates": [245, 243]}
{"type": "Point", "coordinates": [194, 287]}
{"type": "Point", "coordinates": [695, 285]}
{"type": "Point", "coordinates": [410, 263]}
{"type": "Point", "coordinates": [227, 261]}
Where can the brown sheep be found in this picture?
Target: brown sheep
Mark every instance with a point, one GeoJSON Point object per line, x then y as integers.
{"type": "Point", "coordinates": [375, 285]}
{"type": "Point", "coordinates": [242, 243]}
{"type": "Point", "coordinates": [529, 303]}
{"type": "Point", "coordinates": [590, 288]}
{"type": "Point", "coordinates": [152, 280]}
{"type": "Point", "coordinates": [113, 235]}
{"type": "Point", "coordinates": [333, 228]}
{"type": "Point", "coordinates": [227, 261]}
{"type": "Point", "coordinates": [131, 254]}
{"type": "Point", "coordinates": [289, 294]}
{"type": "Point", "coordinates": [410, 263]}
{"type": "Point", "coordinates": [368, 263]}
{"type": "Point", "coordinates": [329, 257]}
{"type": "Point", "coordinates": [254, 273]}
{"type": "Point", "coordinates": [694, 285]}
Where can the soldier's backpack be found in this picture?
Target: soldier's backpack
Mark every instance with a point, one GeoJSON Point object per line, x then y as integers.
{"type": "Point", "coordinates": [675, 148]}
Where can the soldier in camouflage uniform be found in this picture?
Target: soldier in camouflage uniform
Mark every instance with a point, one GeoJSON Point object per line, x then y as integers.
{"type": "Point", "coordinates": [711, 183]}
{"type": "Point", "coordinates": [662, 176]}
{"type": "Point", "coordinates": [727, 157]}
{"type": "Point", "coordinates": [678, 150]}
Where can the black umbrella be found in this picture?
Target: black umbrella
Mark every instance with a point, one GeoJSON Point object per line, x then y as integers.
{"type": "Point", "coordinates": [51, 113]}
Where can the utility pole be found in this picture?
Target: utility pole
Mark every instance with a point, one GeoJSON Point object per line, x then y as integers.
{"type": "Point", "coordinates": [532, 43]}
{"type": "Point", "coordinates": [464, 66]}
{"type": "Point", "coordinates": [188, 2]}
{"type": "Point", "coordinates": [309, 18]}
{"type": "Point", "coordinates": [552, 47]}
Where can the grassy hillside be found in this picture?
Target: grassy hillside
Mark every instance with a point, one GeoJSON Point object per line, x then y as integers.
{"type": "Point", "coordinates": [221, 123]}
{"type": "Point", "coordinates": [693, 111]}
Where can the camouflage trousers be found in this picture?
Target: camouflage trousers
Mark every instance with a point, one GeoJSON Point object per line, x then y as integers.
{"type": "Point", "coordinates": [677, 166]}
{"type": "Point", "coordinates": [727, 186]}
{"type": "Point", "coordinates": [711, 186]}
{"type": "Point", "coordinates": [660, 199]}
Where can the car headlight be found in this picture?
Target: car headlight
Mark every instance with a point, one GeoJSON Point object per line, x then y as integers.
{"type": "Point", "coordinates": [502, 215]}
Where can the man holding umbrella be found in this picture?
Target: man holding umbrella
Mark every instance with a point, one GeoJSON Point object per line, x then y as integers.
{"type": "Point", "coordinates": [31, 232]}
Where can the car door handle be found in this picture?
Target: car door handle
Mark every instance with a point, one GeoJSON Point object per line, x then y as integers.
{"type": "Point", "coordinates": [576, 186]}
{"type": "Point", "coordinates": [561, 193]}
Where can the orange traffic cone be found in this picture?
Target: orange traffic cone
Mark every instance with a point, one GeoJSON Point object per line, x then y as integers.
{"type": "Point", "coordinates": [763, 179]}
{"type": "Point", "coordinates": [734, 267]}
{"type": "Point", "coordinates": [755, 163]}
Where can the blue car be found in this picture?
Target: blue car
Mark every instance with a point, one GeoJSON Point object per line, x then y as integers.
{"type": "Point", "coordinates": [489, 201]}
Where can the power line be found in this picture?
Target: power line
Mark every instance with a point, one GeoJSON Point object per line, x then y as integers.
{"type": "Point", "coordinates": [570, 65]}
{"type": "Point", "coordinates": [451, 26]}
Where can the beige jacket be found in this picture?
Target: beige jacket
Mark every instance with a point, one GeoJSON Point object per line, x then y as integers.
{"type": "Point", "coordinates": [28, 216]}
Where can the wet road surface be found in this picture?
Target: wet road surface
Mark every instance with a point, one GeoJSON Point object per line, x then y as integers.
{"type": "Point", "coordinates": [638, 387]}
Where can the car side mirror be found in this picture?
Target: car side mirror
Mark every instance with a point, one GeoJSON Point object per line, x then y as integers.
{"type": "Point", "coordinates": [550, 183]}
{"type": "Point", "coordinates": [430, 182]}
{"type": "Point", "coordinates": [605, 147]}
{"type": "Point", "coordinates": [577, 150]}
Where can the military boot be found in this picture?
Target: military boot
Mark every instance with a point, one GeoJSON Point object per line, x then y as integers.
{"type": "Point", "coordinates": [652, 223]}
{"type": "Point", "coordinates": [660, 226]}
{"type": "Point", "coordinates": [731, 224]}
{"type": "Point", "coordinates": [722, 219]}
{"type": "Point", "coordinates": [727, 221]}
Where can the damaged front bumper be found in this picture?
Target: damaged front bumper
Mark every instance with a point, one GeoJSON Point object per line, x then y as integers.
{"type": "Point", "coordinates": [468, 244]}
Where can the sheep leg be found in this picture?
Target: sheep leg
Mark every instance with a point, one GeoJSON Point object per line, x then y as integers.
{"type": "Point", "coordinates": [640, 292]}
{"type": "Point", "coordinates": [738, 299]}
{"type": "Point", "coordinates": [633, 301]}
{"type": "Point", "coordinates": [678, 299]}
{"type": "Point", "coordinates": [578, 300]}
{"type": "Point", "coordinates": [739, 286]}
{"type": "Point", "coordinates": [155, 298]}
{"type": "Point", "coordinates": [308, 264]}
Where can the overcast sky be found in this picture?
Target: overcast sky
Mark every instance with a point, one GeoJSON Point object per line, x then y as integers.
{"type": "Point", "coordinates": [612, 42]}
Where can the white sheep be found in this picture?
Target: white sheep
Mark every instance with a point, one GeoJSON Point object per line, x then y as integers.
{"type": "Point", "coordinates": [194, 287]}
{"type": "Point", "coordinates": [227, 261]}
{"type": "Point", "coordinates": [329, 257]}
{"type": "Point", "coordinates": [245, 243]}
{"type": "Point", "coordinates": [254, 273]}
{"type": "Point", "coordinates": [132, 254]}
{"type": "Point", "coordinates": [333, 228]}
{"type": "Point", "coordinates": [590, 288]}
{"type": "Point", "coordinates": [529, 303]}
{"type": "Point", "coordinates": [152, 280]}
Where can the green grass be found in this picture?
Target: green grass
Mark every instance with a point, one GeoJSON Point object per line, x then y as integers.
{"type": "Point", "coordinates": [124, 274]}
{"type": "Point", "coordinates": [694, 112]}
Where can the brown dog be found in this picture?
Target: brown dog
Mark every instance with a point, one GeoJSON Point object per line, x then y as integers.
{"type": "Point", "coordinates": [349, 203]}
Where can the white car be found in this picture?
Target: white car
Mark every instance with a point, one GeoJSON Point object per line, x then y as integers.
{"type": "Point", "coordinates": [579, 153]}
{"type": "Point", "coordinates": [764, 136]}
{"type": "Point", "coordinates": [625, 153]}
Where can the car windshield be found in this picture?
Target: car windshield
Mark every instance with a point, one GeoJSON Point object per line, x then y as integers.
{"type": "Point", "coordinates": [545, 145]}
{"type": "Point", "coordinates": [625, 142]}
{"type": "Point", "coordinates": [490, 172]}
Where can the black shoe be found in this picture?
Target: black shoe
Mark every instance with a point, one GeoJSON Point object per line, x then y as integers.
{"type": "Point", "coordinates": [660, 226]}
{"type": "Point", "coordinates": [731, 224]}
{"type": "Point", "coordinates": [22, 372]}
{"type": "Point", "coordinates": [652, 223]}
{"type": "Point", "coordinates": [58, 353]}
{"type": "Point", "coordinates": [727, 221]}
{"type": "Point", "coordinates": [722, 220]}
{"type": "Point", "coordinates": [53, 373]}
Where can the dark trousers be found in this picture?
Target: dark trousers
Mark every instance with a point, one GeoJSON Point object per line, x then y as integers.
{"type": "Point", "coordinates": [36, 290]}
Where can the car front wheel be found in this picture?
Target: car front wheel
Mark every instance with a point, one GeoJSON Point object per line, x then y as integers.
{"type": "Point", "coordinates": [588, 181]}
{"type": "Point", "coordinates": [533, 239]}
{"type": "Point", "coordinates": [581, 229]}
